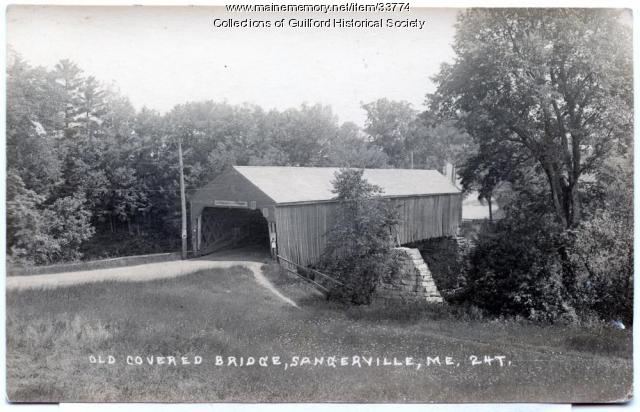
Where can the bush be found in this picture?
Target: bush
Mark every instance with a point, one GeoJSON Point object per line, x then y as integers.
{"type": "Point", "coordinates": [42, 234]}
{"type": "Point", "coordinates": [601, 250]}
{"type": "Point", "coordinates": [515, 269]}
{"type": "Point", "coordinates": [360, 275]}
{"type": "Point", "coordinates": [359, 244]}
{"type": "Point", "coordinates": [527, 265]}
{"type": "Point", "coordinates": [107, 244]}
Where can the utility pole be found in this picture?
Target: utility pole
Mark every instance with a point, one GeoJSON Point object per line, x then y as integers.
{"type": "Point", "coordinates": [411, 159]}
{"type": "Point", "coordinates": [183, 201]}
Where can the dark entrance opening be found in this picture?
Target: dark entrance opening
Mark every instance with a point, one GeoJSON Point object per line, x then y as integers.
{"type": "Point", "coordinates": [229, 228]}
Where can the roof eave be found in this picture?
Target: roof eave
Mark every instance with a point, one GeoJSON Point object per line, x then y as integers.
{"type": "Point", "coordinates": [310, 202]}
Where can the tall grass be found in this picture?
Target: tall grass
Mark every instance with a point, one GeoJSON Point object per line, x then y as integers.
{"type": "Point", "coordinates": [51, 334]}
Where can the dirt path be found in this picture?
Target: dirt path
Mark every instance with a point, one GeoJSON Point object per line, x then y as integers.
{"type": "Point", "coordinates": [140, 273]}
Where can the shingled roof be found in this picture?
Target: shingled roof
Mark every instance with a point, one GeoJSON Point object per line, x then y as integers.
{"type": "Point", "coordinates": [309, 184]}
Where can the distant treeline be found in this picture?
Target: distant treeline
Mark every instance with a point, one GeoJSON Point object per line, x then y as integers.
{"type": "Point", "coordinates": [90, 176]}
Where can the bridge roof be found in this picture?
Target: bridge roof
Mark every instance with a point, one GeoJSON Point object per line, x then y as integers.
{"type": "Point", "coordinates": [286, 184]}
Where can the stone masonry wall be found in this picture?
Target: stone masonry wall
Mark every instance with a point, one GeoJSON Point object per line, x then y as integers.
{"type": "Point", "coordinates": [411, 283]}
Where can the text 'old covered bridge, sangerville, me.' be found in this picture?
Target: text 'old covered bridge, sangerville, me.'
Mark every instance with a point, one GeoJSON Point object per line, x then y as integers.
{"type": "Point", "coordinates": [294, 207]}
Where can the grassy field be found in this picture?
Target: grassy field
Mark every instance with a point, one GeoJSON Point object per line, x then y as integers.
{"type": "Point", "coordinates": [53, 334]}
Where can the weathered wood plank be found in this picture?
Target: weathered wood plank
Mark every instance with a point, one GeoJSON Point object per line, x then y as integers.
{"type": "Point", "coordinates": [301, 229]}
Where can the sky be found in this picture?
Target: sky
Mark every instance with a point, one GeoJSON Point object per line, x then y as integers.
{"type": "Point", "coordinates": [163, 56]}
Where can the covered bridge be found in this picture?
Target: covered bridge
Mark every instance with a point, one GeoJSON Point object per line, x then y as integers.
{"type": "Point", "coordinates": [294, 207]}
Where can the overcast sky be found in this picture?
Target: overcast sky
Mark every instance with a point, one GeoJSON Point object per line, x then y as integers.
{"type": "Point", "coordinates": [161, 56]}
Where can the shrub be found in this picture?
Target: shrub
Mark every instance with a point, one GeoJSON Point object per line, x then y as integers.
{"type": "Point", "coordinates": [601, 250]}
{"type": "Point", "coordinates": [107, 244]}
{"type": "Point", "coordinates": [359, 244]}
{"type": "Point", "coordinates": [516, 267]}
{"type": "Point", "coordinates": [516, 271]}
{"type": "Point", "coordinates": [527, 265]}
{"type": "Point", "coordinates": [39, 234]}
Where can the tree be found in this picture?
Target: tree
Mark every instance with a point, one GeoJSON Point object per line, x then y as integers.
{"type": "Point", "coordinates": [32, 126]}
{"type": "Point", "coordinates": [42, 233]}
{"type": "Point", "coordinates": [436, 142]}
{"type": "Point", "coordinates": [25, 224]}
{"type": "Point", "coordinates": [68, 77]}
{"type": "Point", "coordinates": [304, 134]}
{"type": "Point", "coordinates": [351, 149]}
{"type": "Point", "coordinates": [601, 247]}
{"type": "Point", "coordinates": [359, 243]}
{"type": "Point", "coordinates": [91, 108]}
{"type": "Point", "coordinates": [488, 168]}
{"type": "Point", "coordinates": [68, 222]}
{"type": "Point", "coordinates": [546, 96]}
{"type": "Point", "coordinates": [552, 84]}
{"type": "Point", "coordinates": [154, 161]}
{"type": "Point", "coordinates": [391, 126]}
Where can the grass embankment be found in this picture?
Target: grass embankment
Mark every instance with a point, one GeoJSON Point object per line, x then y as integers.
{"type": "Point", "coordinates": [53, 333]}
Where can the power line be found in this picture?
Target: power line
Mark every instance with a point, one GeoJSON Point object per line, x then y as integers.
{"type": "Point", "coordinates": [204, 189]}
{"type": "Point", "coordinates": [121, 189]}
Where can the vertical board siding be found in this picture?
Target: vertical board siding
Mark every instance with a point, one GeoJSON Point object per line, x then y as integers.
{"type": "Point", "coordinates": [301, 229]}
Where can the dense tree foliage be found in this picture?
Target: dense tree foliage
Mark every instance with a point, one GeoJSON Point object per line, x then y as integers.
{"type": "Point", "coordinates": [412, 139]}
{"type": "Point", "coordinates": [554, 85]}
{"type": "Point", "coordinates": [546, 96]}
{"type": "Point", "coordinates": [78, 147]}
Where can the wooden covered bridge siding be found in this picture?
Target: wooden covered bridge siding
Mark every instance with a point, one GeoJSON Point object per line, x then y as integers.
{"type": "Point", "coordinates": [298, 207]}
{"type": "Point", "coordinates": [301, 229]}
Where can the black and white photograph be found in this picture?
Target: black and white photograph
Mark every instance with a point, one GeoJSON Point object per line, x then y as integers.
{"type": "Point", "coordinates": [355, 202]}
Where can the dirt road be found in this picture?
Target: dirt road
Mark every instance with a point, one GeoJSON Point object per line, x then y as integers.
{"type": "Point", "coordinates": [145, 272]}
